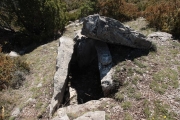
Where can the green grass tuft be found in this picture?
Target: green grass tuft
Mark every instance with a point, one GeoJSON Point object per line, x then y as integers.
{"type": "Point", "coordinates": [128, 116]}
{"type": "Point", "coordinates": [126, 105]}
{"type": "Point", "coordinates": [119, 97]}
{"type": "Point", "coordinates": [164, 78]}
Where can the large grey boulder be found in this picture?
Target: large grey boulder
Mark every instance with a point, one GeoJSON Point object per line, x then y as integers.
{"type": "Point", "coordinates": [13, 54]}
{"type": "Point", "coordinates": [112, 31]}
{"type": "Point", "coordinates": [65, 52]}
{"type": "Point", "coordinates": [163, 36]}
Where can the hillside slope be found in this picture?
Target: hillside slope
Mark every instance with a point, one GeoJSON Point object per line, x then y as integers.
{"type": "Point", "coordinates": [32, 99]}
{"type": "Point", "coordinates": [150, 83]}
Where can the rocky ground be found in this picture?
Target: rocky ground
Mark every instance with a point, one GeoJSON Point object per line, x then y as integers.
{"type": "Point", "coordinates": [149, 83]}
{"type": "Point", "coordinates": [32, 99]}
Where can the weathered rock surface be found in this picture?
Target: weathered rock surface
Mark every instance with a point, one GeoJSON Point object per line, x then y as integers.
{"type": "Point", "coordinates": [105, 66]}
{"type": "Point", "coordinates": [163, 36]}
{"type": "Point", "coordinates": [62, 116]}
{"type": "Point", "coordinates": [76, 111]}
{"type": "Point", "coordinates": [16, 112]}
{"type": "Point", "coordinates": [112, 31]}
{"type": "Point", "coordinates": [96, 115]}
{"type": "Point", "coordinates": [73, 96]}
{"type": "Point", "coordinates": [65, 52]}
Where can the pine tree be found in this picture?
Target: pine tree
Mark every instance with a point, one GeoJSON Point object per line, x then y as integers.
{"type": "Point", "coordinates": [37, 18]}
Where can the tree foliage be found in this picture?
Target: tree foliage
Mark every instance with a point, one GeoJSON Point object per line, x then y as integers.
{"type": "Point", "coordinates": [81, 8]}
{"type": "Point", "coordinates": [33, 17]}
{"type": "Point", "coordinates": [87, 8]}
{"type": "Point", "coordinates": [7, 15]}
{"type": "Point", "coordinates": [118, 9]}
{"type": "Point", "coordinates": [41, 19]}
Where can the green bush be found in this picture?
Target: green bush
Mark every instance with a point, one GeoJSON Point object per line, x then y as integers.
{"type": "Point", "coordinates": [73, 16]}
{"type": "Point", "coordinates": [81, 9]}
{"type": "Point", "coordinates": [39, 19]}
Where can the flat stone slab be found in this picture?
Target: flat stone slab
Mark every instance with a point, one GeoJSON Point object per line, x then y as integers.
{"type": "Point", "coordinates": [65, 51]}
{"type": "Point", "coordinates": [112, 31]}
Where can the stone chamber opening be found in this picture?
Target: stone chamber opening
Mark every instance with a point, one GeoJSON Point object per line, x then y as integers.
{"type": "Point", "coordinates": [84, 75]}
{"type": "Point", "coordinates": [86, 82]}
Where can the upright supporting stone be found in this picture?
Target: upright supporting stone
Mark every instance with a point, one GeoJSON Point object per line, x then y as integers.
{"type": "Point", "coordinates": [105, 65]}
{"type": "Point", "coordinates": [65, 52]}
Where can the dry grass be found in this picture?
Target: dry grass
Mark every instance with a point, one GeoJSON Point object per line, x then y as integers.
{"type": "Point", "coordinates": [141, 25]}
{"type": "Point", "coordinates": [151, 83]}
{"type": "Point", "coordinates": [164, 15]}
{"type": "Point", "coordinates": [34, 96]}
{"type": "Point", "coordinates": [12, 71]}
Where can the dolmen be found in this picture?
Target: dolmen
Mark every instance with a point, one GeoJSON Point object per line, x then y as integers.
{"type": "Point", "coordinates": [91, 40]}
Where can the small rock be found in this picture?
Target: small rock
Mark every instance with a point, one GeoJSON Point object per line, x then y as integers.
{"type": "Point", "coordinates": [16, 112]}
{"type": "Point", "coordinates": [31, 100]}
{"type": "Point", "coordinates": [52, 47]}
{"type": "Point", "coordinates": [61, 115]}
{"type": "Point", "coordinates": [39, 85]}
{"type": "Point", "coordinates": [96, 115]}
{"type": "Point", "coordinates": [13, 54]}
{"type": "Point", "coordinates": [77, 24]}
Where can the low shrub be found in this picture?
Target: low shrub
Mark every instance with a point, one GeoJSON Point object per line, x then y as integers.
{"type": "Point", "coordinates": [118, 9]}
{"type": "Point", "coordinates": [164, 16]}
{"type": "Point", "coordinates": [12, 71]}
